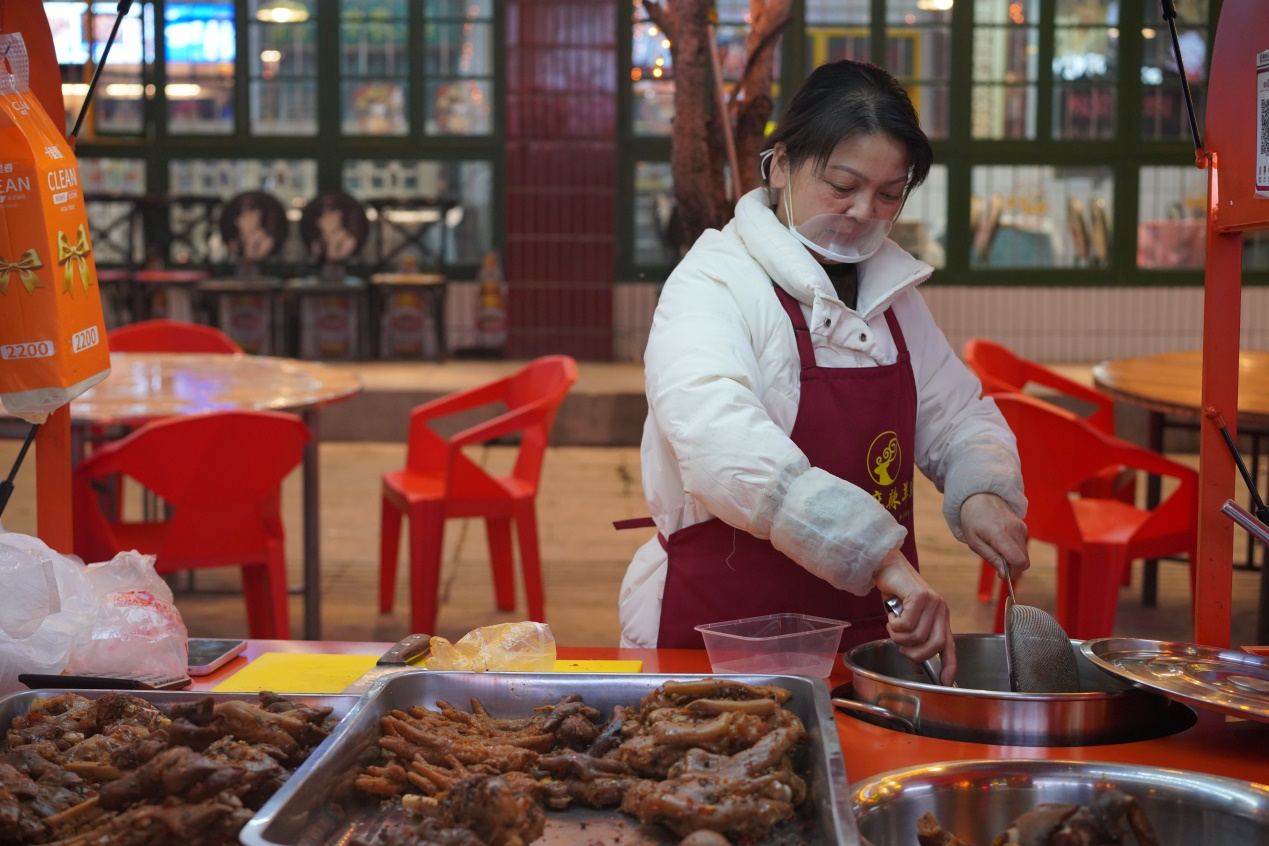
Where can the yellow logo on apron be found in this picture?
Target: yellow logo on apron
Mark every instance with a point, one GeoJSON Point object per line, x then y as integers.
{"type": "Point", "coordinates": [883, 454]}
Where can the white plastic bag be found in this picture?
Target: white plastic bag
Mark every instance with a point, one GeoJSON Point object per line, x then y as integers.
{"type": "Point", "coordinates": [46, 605]}
{"type": "Point", "coordinates": [136, 627]}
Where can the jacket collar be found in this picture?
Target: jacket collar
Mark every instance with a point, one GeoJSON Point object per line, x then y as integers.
{"type": "Point", "coordinates": [791, 266]}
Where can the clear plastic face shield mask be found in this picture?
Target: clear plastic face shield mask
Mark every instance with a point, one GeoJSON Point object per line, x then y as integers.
{"type": "Point", "coordinates": [846, 238]}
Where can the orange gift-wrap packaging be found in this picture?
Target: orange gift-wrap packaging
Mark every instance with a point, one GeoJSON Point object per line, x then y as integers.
{"type": "Point", "coordinates": [52, 336]}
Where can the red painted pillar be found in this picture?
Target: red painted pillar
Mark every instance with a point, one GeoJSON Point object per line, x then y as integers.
{"type": "Point", "coordinates": [561, 130]}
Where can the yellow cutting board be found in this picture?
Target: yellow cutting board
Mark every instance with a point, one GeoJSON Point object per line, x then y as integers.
{"type": "Point", "coordinates": [292, 672]}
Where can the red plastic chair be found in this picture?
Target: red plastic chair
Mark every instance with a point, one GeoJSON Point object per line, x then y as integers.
{"type": "Point", "coordinates": [1096, 537]}
{"type": "Point", "coordinates": [439, 483]}
{"type": "Point", "coordinates": [163, 335]}
{"type": "Point", "coordinates": [1002, 371]}
{"type": "Point", "coordinates": [221, 473]}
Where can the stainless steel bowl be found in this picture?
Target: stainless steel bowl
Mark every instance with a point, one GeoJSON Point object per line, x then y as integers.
{"type": "Point", "coordinates": [976, 800]}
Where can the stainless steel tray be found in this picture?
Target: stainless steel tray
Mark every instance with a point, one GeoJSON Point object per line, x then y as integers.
{"type": "Point", "coordinates": [978, 799]}
{"type": "Point", "coordinates": [303, 812]}
{"type": "Point", "coordinates": [1224, 680]}
{"type": "Point", "coordinates": [19, 704]}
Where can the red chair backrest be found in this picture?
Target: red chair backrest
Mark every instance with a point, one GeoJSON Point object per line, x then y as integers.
{"type": "Point", "coordinates": [1003, 371]}
{"type": "Point", "coordinates": [162, 335]}
{"type": "Point", "coordinates": [540, 386]}
{"type": "Point", "coordinates": [532, 396]}
{"type": "Point", "coordinates": [221, 472]}
{"type": "Point", "coordinates": [1059, 450]}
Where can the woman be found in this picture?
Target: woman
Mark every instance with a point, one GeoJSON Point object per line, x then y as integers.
{"type": "Point", "coordinates": [778, 459]}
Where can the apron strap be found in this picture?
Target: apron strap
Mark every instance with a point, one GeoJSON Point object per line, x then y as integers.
{"type": "Point", "coordinates": [634, 523]}
{"type": "Point", "coordinates": [806, 353]}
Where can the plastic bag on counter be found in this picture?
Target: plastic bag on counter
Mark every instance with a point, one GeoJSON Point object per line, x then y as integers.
{"type": "Point", "coordinates": [136, 627]}
{"type": "Point", "coordinates": [522, 647]}
{"type": "Point", "coordinates": [46, 606]}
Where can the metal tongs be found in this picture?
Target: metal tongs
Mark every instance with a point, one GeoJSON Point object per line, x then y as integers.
{"type": "Point", "coordinates": [933, 666]}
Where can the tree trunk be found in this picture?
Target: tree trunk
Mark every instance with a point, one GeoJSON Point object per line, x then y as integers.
{"type": "Point", "coordinates": [696, 148]}
{"type": "Point", "coordinates": [753, 108]}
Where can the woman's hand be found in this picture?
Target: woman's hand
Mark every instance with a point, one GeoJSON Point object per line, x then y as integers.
{"type": "Point", "coordinates": [994, 532]}
{"type": "Point", "coordinates": [924, 629]}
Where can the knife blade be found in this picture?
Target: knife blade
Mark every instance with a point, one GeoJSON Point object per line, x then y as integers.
{"type": "Point", "coordinates": [396, 660]}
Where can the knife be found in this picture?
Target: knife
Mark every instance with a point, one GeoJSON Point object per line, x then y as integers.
{"type": "Point", "coordinates": [395, 660]}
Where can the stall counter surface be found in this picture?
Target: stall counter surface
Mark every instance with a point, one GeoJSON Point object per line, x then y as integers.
{"type": "Point", "coordinates": [1215, 744]}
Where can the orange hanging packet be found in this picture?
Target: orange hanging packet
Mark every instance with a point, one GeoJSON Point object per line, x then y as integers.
{"type": "Point", "coordinates": [52, 336]}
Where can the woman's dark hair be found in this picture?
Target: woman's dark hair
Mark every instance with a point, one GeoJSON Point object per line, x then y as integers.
{"type": "Point", "coordinates": [845, 99]}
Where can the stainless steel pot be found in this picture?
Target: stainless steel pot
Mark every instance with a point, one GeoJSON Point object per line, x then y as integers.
{"type": "Point", "coordinates": [886, 687]}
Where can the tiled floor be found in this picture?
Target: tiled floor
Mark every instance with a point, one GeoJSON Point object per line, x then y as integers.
{"type": "Point", "coordinates": [583, 490]}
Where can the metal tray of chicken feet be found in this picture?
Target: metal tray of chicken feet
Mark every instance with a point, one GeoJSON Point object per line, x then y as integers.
{"type": "Point", "coordinates": [74, 746]}
{"type": "Point", "coordinates": [324, 802]}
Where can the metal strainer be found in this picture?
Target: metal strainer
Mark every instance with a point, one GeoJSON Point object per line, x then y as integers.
{"type": "Point", "coordinates": [1039, 654]}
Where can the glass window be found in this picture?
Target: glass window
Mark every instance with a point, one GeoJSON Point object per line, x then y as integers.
{"type": "Point", "coordinates": [461, 235]}
{"type": "Point", "coordinates": [922, 225]}
{"type": "Point", "coordinates": [919, 54]}
{"type": "Point", "coordinates": [1164, 115]}
{"type": "Point", "coordinates": [653, 213]}
{"type": "Point", "coordinates": [1085, 68]}
{"type": "Point", "coordinates": [1171, 217]}
{"type": "Point", "coordinates": [80, 33]}
{"type": "Point", "coordinates": [1256, 250]}
{"type": "Point", "coordinates": [374, 65]}
{"type": "Point", "coordinates": [458, 67]}
{"type": "Point", "coordinates": [292, 181]}
{"type": "Point", "coordinates": [200, 45]}
{"type": "Point", "coordinates": [651, 75]}
{"type": "Point", "coordinates": [111, 190]}
{"type": "Point", "coordinates": [840, 11]}
{"type": "Point", "coordinates": [1006, 45]}
{"type": "Point", "coordinates": [1041, 216]}
{"type": "Point", "coordinates": [282, 67]}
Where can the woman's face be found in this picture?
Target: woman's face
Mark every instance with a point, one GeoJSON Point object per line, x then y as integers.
{"type": "Point", "coordinates": [864, 178]}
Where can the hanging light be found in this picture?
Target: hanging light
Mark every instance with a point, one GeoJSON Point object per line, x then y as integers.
{"type": "Point", "coordinates": [282, 11]}
{"type": "Point", "coordinates": [934, 5]}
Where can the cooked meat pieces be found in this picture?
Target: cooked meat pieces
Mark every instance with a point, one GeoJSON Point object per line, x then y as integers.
{"type": "Point", "coordinates": [1104, 822]}
{"type": "Point", "coordinates": [499, 813]}
{"type": "Point", "coordinates": [26, 803]}
{"type": "Point", "coordinates": [68, 719]}
{"type": "Point", "coordinates": [711, 754]}
{"type": "Point", "coordinates": [112, 770]}
{"type": "Point", "coordinates": [210, 823]}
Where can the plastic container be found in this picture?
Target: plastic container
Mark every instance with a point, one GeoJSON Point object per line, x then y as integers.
{"type": "Point", "coordinates": [785, 644]}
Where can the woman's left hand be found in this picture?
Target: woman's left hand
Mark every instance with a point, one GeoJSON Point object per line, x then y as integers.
{"type": "Point", "coordinates": [994, 532]}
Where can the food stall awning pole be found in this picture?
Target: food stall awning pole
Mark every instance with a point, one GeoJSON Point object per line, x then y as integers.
{"type": "Point", "coordinates": [1233, 208]}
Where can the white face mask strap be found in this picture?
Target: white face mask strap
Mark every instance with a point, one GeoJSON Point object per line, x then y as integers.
{"type": "Point", "coordinates": [764, 164]}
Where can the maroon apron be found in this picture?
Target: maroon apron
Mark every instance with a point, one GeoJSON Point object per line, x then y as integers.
{"type": "Point", "coordinates": [858, 423]}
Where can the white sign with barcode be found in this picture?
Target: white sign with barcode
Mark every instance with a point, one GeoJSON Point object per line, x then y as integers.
{"type": "Point", "coordinates": [1262, 124]}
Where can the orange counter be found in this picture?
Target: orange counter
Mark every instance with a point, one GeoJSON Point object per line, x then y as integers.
{"type": "Point", "coordinates": [1215, 744]}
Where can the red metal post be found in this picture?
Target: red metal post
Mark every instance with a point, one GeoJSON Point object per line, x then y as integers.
{"type": "Point", "coordinates": [1214, 580]}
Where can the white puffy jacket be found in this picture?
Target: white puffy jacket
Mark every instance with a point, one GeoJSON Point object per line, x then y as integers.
{"type": "Point", "coordinates": [722, 381]}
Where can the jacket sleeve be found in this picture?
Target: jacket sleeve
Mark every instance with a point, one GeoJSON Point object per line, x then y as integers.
{"type": "Point", "coordinates": [963, 443]}
{"type": "Point", "coordinates": [706, 394]}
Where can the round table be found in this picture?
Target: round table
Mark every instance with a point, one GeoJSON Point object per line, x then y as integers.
{"type": "Point", "coordinates": [144, 386]}
{"type": "Point", "coordinates": [1172, 383]}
